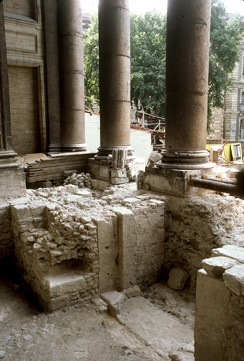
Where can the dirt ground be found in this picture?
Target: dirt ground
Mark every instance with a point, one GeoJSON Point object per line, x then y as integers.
{"type": "Point", "coordinates": [157, 326]}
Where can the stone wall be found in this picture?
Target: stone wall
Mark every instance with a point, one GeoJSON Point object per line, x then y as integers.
{"type": "Point", "coordinates": [25, 52]}
{"type": "Point", "coordinates": [72, 243]}
{"type": "Point", "coordinates": [216, 128]}
{"type": "Point", "coordinates": [24, 109]}
{"type": "Point", "coordinates": [20, 7]}
{"type": "Point", "coordinates": [6, 236]}
{"type": "Point", "coordinates": [219, 323]}
{"type": "Point", "coordinates": [196, 225]}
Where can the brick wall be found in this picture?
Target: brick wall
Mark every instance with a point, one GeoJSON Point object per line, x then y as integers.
{"type": "Point", "coordinates": [23, 86]}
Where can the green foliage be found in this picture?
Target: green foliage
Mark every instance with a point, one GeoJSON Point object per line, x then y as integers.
{"type": "Point", "coordinates": [91, 62]}
{"type": "Point", "coordinates": [148, 61]}
{"type": "Point", "coordinates": [225, 36]}
{"type": "Point", "coordinates": [148, 58]}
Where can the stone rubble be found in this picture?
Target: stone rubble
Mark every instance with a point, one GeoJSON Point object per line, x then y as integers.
{"type": "Point", "coordinates": [56, 239]}
{"type": "Point", "coordinates": [81, 180]}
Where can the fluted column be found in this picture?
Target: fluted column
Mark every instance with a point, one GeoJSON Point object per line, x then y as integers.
{"type": "Point", "coordinates": [187, 62]}
{"type": "Point", "coordinates": [71, 75]}
{"type": "Point", "coordinates": [114, 53]}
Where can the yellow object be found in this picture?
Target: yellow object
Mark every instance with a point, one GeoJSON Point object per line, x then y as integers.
{"type": "Point", "coordinates": [231, 152]}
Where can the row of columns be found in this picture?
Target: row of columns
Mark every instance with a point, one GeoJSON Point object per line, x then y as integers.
{"type": "Point", "coordinates": [188, 28]}
{"type": "Point", "coordinates": [65, 75]}
{"type": "Point", "coordinates": [188, 31]}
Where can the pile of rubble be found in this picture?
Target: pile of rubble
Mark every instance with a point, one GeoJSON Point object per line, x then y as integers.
{"type": "Point", "coordinates": [82, 180]}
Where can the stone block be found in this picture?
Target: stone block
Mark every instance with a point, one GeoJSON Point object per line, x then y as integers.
{"type": "Point", "coordinates": [58, 302]}
{"type": "Point", "coordinates": [98, 170]}
{"type": "Point", "coordinates": [177, 278]}
{"type": "Point", "coordinates": [114, 300]}
{"type": "Point", "coordinates": [99, 184]}
{"type": "Point", "coordinates": [211, 318]}
{"type": "Point", "coordinates": [234, 279]}
{"type": "Point", "coordinates": [132, 291]}
{"type": "Point", "coordinates": [20, 211]}
{"type": "Point", "coordinates": [100, 305]}
{"type": "Point", "coordinates": [65, 284]}
{"type": "Point", "coordinates": [234, 252]}
{"type": "Point", "coordinates": [216, 266]}
{"type": "Point", "coordinates": [118, 173]}
{"type": "Point", "coordinates": [121, 180]}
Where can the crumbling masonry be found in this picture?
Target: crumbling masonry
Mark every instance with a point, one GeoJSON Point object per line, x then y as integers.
{"type": "Point", "coordinates": [75, 242]}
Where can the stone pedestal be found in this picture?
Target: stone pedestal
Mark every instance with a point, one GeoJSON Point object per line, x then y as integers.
{"type": "Point", "coordinates": [12, 176]}
{"type": "Point", "coordinates": [71, 75]}
{"type": "Point", "coordinates": [174, 181]}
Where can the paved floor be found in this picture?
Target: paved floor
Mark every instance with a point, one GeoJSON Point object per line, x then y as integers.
{"type": "Point", "coordinates": [143, 330]}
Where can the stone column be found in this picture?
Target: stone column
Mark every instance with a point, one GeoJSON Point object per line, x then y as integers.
{"type": "Point", "coordinates": [188, 32]}
{"type": "Point", "coordinates": [71, 75]}
{"type": "Point", "coordinates": [114, 53]}
{"type": "Point", "coordinates": [5, 128]}
{"type": "Point", "coordinates": [12, 180]}
{"type": "Point", "coordinates": [52, 69]}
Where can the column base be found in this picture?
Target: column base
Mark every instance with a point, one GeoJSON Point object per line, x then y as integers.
{"type": "Point", "coordinates": [104, 152]}
{"type": "Point", "coordinates": [102, 169]}
{"type": "Point", "coordinates": [74, 147]}
{"type": "Point", "coordinates": [12, 176]}
{"type": "Point", "coordinates": [54, 148]}
{"type": "Point", "coordinates": [174, 181]}
{"type": "Point", "coordinates": [185, 160]}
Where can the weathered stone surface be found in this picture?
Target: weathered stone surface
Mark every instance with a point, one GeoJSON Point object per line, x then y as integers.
{"type": "Point", "coordinates": [114, 300]}
{"type": "Point", "coordinates": [211, 319]}
{"type": "Point", "coordinates": [177, 278]}
{"type": "Point", "coordinates": [68, 236]}
{"type": "Point", "coordinates": [132, 291]}
{"type": "Point", "coordinates": [118, 173]}
{"type": "Point", "coordinates": [230, 251]}
{"type": "Point", "coordinates": [101, 306]}
{"type": "Point", "coordinates": [216, 266]}
{"type": "Point", "coordinates": [189, 231]}
{"type": "Point", "coordinates": [120, 180]}
{"type": "Point", "coordinates": [234, 279]}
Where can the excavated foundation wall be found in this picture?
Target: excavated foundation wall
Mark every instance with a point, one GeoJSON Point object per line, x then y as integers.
{"type": "Point", "coordinates": [6, 236]}
{"type": "Point", "coordinates": [196, 225]}
{"type": "Point", "coordinates": [72, 244]}
{"type": "Point", "coordinates": [219, 322]}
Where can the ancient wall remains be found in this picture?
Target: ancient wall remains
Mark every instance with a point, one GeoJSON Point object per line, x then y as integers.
{"type": "Point", "coordinates": [219, 323]}
{"type": "Point", "coordinates": [6, 236]}
{"type": "Point", "coordinates": [72, 244]}
{"type": "Point", "coordinates": [196, 225]}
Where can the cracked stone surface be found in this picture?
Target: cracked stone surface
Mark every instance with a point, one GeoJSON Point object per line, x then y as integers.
{"type": "Point", "coordinates": [80, 333]}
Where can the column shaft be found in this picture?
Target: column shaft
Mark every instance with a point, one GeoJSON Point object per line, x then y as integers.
{"type": "Point", "coordinates": [114, 53]}
{"type": "Point", "coordinates": [52, 70]}
{"type": "Point", "coordinates": [5, 122]}
{"type": "Point", "coordinates": [188, 31]}
{"type": "Point", "coordinates": [71, 75]}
